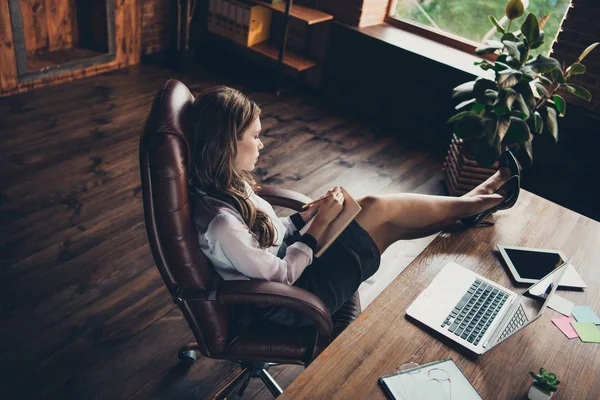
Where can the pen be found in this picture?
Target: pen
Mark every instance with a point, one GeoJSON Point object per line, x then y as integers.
{"type": "Point", "coordinates": [314, 202]}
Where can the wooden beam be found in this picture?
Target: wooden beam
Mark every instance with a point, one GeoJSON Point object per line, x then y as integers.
{"type": "Point", "coordinates": [128, 29]}
{"type": "Point", "coordinates": [8, 62]}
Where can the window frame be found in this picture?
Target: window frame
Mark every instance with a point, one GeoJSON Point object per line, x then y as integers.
{"type": "Point", "coordinates": [448, 39]}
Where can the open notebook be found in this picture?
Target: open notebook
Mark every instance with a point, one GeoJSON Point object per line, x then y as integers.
{"type": "Point", "coordinates": [337, 226]}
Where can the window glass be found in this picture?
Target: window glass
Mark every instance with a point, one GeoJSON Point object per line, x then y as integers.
{"type": "Point", "coordinates": [469, 18]}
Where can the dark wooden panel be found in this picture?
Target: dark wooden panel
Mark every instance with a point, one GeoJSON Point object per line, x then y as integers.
{"type": "Point", "coordinates": [35, 25]}
{"type": "Point", "coordinates": [8, 62]}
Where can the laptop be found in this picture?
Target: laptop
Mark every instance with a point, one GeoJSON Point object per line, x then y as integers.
{"type": "Point", "coordinates": [477, 313]}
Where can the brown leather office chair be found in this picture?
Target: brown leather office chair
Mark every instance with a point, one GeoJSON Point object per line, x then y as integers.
{"type": "Point", "coordinates": [192, 282]}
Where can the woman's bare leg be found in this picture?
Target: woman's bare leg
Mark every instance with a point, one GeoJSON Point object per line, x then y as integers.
{"type": "Point", "coordinates": [392, 217]}
{"type": "Point", "coordinates": [414, 211]}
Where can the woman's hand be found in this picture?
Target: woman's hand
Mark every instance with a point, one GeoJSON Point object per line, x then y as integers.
{"type": "Point", "coordinates": [308, 214]}
{"type": "Point", "coordinates": [330, 207]}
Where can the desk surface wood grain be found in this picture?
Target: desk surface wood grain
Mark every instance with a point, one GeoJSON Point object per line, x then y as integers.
{"type": "Point", "coordinates": [383, 337]}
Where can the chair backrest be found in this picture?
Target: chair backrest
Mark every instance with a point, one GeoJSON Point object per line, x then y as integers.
{"type": "Point", "coordinates": [164, 166]}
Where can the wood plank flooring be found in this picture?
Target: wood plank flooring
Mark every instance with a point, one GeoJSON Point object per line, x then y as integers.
{"type": "Point", "coordinates": [84, 312]}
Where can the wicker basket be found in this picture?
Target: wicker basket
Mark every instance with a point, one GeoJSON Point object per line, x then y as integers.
{"type": "Point", "coordinates": [461, 171]}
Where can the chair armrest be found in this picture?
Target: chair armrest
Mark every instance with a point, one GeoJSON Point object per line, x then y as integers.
{"type": "Point", "coordinates": [266, 293]}
{"type": "Point", "coordinates": [283, 197]}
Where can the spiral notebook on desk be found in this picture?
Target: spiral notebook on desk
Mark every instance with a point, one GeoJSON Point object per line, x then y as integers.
{"type": "Point", "coordinates": [337, 226]}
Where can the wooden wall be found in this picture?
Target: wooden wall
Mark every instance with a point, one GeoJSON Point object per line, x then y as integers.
{"type": "Point", "coordinates": [580, 29]}
{"type": "Point", "coordinates": [48, 24]}
{"type": "Point", "coordinates": [159, 25]}
{"type": "Point", "coordinates": [127, 31]}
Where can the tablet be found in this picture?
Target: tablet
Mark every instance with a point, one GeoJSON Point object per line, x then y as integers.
{"type": "Point", "coordinates": [528, 265]}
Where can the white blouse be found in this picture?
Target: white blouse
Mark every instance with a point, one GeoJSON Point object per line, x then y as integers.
{"type": "Point", "coordinates": [235, 253]}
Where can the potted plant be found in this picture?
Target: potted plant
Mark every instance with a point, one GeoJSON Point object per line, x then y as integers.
{"type": "Point", "coordinates": [543, 386]}
{"type": "Point", "coordinates": [522, 99]}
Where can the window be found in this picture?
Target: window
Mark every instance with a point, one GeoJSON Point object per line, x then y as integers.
{"type": "Point", "coordinates": [465, 23]}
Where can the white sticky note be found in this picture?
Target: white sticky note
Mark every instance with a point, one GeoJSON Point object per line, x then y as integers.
{"type": "Point", "coordinates": [561, 305]}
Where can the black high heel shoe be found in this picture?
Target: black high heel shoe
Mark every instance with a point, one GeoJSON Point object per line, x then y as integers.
{"type": "Point", "coordinates": [511, 189]}
{"type": "Point", "coordinates": [508, 160]}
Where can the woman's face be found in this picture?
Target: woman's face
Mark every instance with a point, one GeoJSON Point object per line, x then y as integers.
{"type": "Point", "coordinates": [248, 147]}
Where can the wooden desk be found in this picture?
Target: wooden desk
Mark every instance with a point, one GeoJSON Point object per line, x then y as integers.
{"type": "Point", "coordinates": [382, 337]}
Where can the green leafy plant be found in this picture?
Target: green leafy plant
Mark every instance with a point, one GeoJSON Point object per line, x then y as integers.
{"type": "Point", "coordinates": [522, 101]}
{"type": "Point", "coordinates": [545, 380]}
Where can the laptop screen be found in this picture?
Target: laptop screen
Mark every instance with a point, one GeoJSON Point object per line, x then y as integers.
{"type": "Point", "coordinates": [532, 302]}
{"type": "Point", "coordinates": [539, 293]}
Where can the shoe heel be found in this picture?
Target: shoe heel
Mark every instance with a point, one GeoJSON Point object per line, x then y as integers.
{"type": "Point", "coordinates": [508, 160]}
{"type": "Point", "coordinates": [471, 222]}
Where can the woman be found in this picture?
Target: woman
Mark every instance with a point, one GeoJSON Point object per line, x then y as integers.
{"type": "Point", "coordinates": [243, 237]}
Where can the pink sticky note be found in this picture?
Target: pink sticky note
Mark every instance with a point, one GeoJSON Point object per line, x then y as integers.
{"type": "Point", "coordinates": [564, 324]}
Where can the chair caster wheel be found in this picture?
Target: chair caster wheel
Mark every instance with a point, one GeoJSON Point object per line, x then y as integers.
{"type": "Point", "coordinates": [187, 356]}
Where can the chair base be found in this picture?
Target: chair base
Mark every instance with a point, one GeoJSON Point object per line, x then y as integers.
{"type": "Point", "coordinates": [241, 381]}
{"type": "Point", "coordinates": [187, 354]}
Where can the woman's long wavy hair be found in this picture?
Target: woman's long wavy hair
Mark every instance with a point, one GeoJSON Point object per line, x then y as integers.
{"type": "Point", "coordinates": [219, 117]}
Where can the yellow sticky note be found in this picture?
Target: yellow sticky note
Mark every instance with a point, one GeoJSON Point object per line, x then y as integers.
{"type": "Point", "coordinates": [587, 331]}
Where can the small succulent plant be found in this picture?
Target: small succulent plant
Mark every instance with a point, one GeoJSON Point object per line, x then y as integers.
{"type": "Point", "coordinates": [545, 380]}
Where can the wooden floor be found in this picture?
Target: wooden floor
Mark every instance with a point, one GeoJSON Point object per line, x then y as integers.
{"type": "Point", "coordinates": [84, 312]}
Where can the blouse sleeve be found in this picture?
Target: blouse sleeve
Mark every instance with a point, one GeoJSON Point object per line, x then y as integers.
{"type": "Point", "coordinates": [235, 242]}
{"type": "Point", "coordinates": [292, 223]}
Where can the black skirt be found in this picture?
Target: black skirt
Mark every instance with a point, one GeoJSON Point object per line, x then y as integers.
{"type": "Point", "coordinates": [335, 276]}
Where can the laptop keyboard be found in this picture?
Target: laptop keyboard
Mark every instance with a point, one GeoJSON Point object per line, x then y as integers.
{"type": "Point", "coordinates": [517, 321]}
{"type": "Point", "coordinates": [475, 311]}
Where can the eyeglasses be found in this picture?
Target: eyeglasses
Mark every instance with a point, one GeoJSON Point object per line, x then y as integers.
{"type": "Point", "coordinates": [424, 384]}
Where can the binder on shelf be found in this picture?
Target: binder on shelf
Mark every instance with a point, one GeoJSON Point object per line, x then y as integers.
{"type": "Point", "coordinates": [219, 23]}
{"type": "Point", "coordinates": [231, 19]}
{"type": "Point", "coordinates": [239, 22]}
{"type": "Point", "coordinates": [259, 25]}
{"type": "Point", "coordinates": [245, 24]}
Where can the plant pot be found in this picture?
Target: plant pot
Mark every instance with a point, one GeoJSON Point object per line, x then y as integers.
{"type": "Point", "coordinates": [535, 393]}
{"type": "Point", "coordinates": [461, 172]}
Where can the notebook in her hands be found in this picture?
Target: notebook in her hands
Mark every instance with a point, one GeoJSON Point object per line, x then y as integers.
{"type": "Point", "coordinates": [337, 226]}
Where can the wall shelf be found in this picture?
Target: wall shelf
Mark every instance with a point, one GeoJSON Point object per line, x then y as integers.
{"type": "Point", "coordinates": [268, 52]}
{"type": "Point", "coordinates": [308, 15]}
{"type": "Point", "coordinates": [291, 59]}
